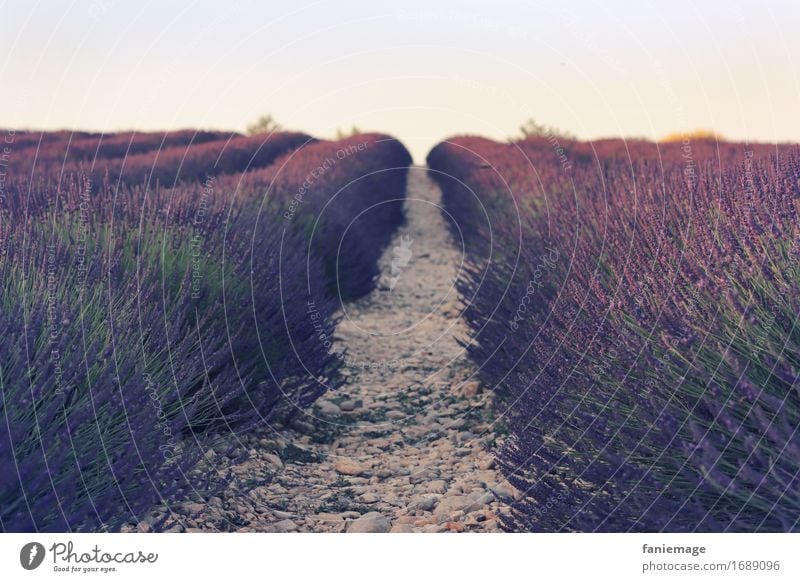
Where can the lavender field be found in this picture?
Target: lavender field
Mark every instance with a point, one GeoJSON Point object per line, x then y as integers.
{"type": "Point", "coordinates": [155, 301]}
{"type": "Point", "coordinates": [633, 306]}
{"type": "Point", "coordinates": [211, 332]}
{"type": "Point", "coordinates": [523, 271]}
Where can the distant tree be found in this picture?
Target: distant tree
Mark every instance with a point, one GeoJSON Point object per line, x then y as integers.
{"type": "Point", "coordinates": [341, 134]}
{"type": "Point", "coordinates": [265, 124]}
{"type": "Point", "coordinates": [695, 134]}
{"type": "Point", "coordinates": [533, 128]}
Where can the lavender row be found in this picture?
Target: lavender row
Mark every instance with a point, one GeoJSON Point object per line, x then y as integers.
{"type": "Point", "coordinates": [637, 320]}
{"type": "Point", "coordinates": [139, 320]}
{"type": "Point", "coordinates": [158, 163]}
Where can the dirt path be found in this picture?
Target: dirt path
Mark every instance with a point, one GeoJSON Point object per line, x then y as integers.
{"type": "Point", "coordinates": [405, 444]}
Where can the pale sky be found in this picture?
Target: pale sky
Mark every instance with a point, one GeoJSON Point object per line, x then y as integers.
{"type": "Point", "coordinates": [420, 70]}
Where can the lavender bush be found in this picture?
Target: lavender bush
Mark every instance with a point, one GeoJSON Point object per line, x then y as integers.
{"type": "Point", "coordinates": [639, 329]}
{"type": "Point", "coordinates": [345, 198]}
{"type": "Point", "coordinates": [62, 151]}
{"type": "Point", "coordinates": [152, 160]}
{"type": "Point", "coordinates": [92, 414]}
{"type": "Point", "coordinates": [138, 320]}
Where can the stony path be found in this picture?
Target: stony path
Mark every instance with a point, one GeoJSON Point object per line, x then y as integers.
{"type": "Point", "coordinates": [405, 445]}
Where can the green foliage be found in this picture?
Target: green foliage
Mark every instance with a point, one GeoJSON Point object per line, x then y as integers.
{"type": "Point", "coordinates": [533, 129]}
{"type": "Point", "coordinates": [342, 134]}
{"type": "Point", "coordinates": [264, 124]}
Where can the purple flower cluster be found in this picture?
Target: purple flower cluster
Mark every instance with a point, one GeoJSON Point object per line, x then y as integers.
{"type": "Point", "coordinates": [41, 152]}
{"type": "Point", "coordinates": [92, 413]}
{"type": "Point", "coordinates": [140, 320]}
{"type": "Point", "coordinates": [346, 198]}
{"type": "Point", "coordinates": [648, 370]}
{"type": "Point", "coordinates": [170, 165]}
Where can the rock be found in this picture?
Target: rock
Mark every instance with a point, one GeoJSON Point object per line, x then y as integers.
{"type": "Point", "coordinates": [433, 528]}
{"type": "Point", "coordinates": [194, 508]}
{"type": "Point", "coordinates": [272, 445]}
{"type": "Point", "coordinates": [425, 504]}
{"type": "Point", "coordinates": [456, 515]}
{"type": "Point", "coordinates": [475, 518]}
{"type": "Point", "coordinates": [328, 407]}
{"type": "Point", "coordinates": [455, 503]}
{"type": "Point", "coordinates": [329, 517]}
{"type": "Point", "coordinates": [402, 528]}
{"type": "Point", "coordinates": [282, 514]}
{"type": "Point", "coordinates": [370, 523]}
{"type": "Point", "coordinates": [143, 527]}
{"type": "Point", "coordinates": [302, 426]}
{"type": "Point", "coordinates": [369, 498]}
{"type": "Point", "coordinates": [487, 464]}
{"type": "Point", "coordinates": [273, 461]}
{"type": "Point", "coordinates": [485, 499]}
{"type": "Point", "coordinates": [241, 508]}
{"type": "Point", "coordinates": [221, 447]}
{"type": "Point", "coordinates": [407, 519]}
{"type": "Point", "coordinates": [286, 525]}
{"type": "Point", "coordinates": [349, 467]}
{"type": "Point", "coordinates": [422, 476]}
{"type": "Point", "coordinates": [384, 474]}
{"type": "Point", "coordinates": [437, 486]}
{"type": "Point", "coordinates": [396, 415]}
{"type": "Point", "coordinates": [470, 389]}
{"type": "Point", "coordinates": [450, 310]}
{"type": "Point", "coordinates": [455, 526]}
{"type": "Point", "coordinates": [350, 405]}
{"type": "Point", "coordinates": [505, 491]}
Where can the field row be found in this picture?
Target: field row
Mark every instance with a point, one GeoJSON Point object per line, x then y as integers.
{"type": "Point", "coordinates": [140, 319]}
{"type": "Point", "coordinates": [634, 309]}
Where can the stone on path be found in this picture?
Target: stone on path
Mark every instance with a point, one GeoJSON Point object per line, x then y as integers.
{"type": "Point", "coordinates": [286, 525]}
{"type": "Point", "coordinates": [349, 467]}
{"type": "Point", "coordinates": [370, 523]}
{"type": "Point", "coordinates": [328, 407]}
